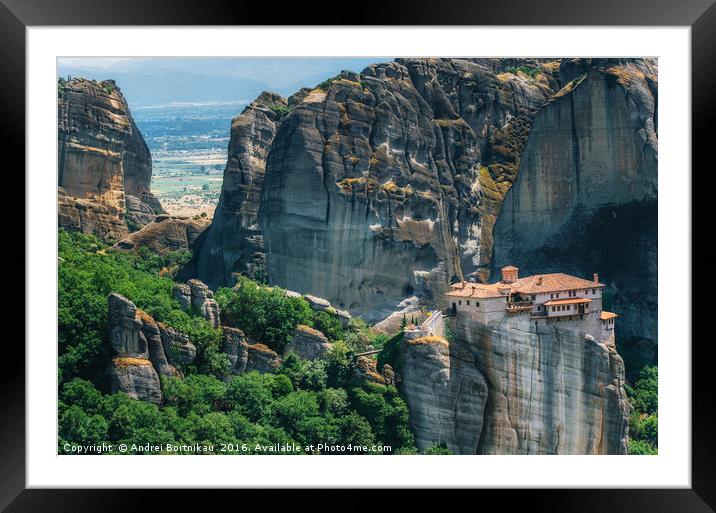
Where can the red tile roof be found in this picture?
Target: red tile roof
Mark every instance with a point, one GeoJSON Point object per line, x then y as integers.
{"type": "Point", "coordinates": [607, 315]}
{"type": "Point", "coordinates": [567, 301]}
{"type": "Point", "coordinates": [478, 290]}
{"type": "Point", "coordinates": [539, 283]}
{"type": "Point", "coordinates": [555, 282]}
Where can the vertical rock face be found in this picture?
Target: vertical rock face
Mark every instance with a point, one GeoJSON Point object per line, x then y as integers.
{"type": "Point", "coordinates": [585, 196]}
{"type": "Point", "coordinates": [386, 184]}
{"type": "Point", "coordinates": [235, 242]}
{"type": "Point", "coordinates": [446, 394]}
{"type": "Point", "coordinates": [383, 184]}
{"type": "Point", "coordinates": [87, 216]}
{"type": "Point", "coordinates": [102, 156]}
{"type": "Point", "coordinates": [516, 388]}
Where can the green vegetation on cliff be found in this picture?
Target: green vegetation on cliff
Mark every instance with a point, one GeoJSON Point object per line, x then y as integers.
{"type": "Point", "coordinates": [644, 419]}
{"type": "Point", "coordinates": [305, 402]}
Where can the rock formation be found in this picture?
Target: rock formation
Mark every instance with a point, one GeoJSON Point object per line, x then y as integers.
{"type": "Point", "coordinates": [585, 197]}
{"type": "Point", "coordinates": [516, 388]}
{"type": "Point", "coordinates": [144, 350]}
{"type": "Point", "coordinates": [164, 234]}
{"type": "Point", "coordinates": [365, 369]}
{"type": "Point", "coordinates": [87, 216]}
{"type": "Point", "coordinates": [235, 242]}
{"type": "Point", "coordinates": [308, 343]}
{"type": "Point", "coordinates": [387, 184]}
{"type": "Point", "coordinates": [245, 357]}
{"type": "Point", "coordinates": [376, 186]}
{"type": "Point", "coordinates": [103, 159]}
{"type": "Point", "coordinates": [195, 294]}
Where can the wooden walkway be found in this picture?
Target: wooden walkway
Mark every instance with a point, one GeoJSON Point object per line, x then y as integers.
{"type": "Point", "coordinates": [374, 351]}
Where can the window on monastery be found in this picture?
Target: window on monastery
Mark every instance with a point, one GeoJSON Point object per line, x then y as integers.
{"type": "Point", "coordinates": [468, 302]}
{"type": "Point", "coordinates": [594, 291]}
{"type": "Point", "coordinates": [477, 304]}
{"type": "Point", "coordinates": [551, 296]}
{"type": "Point", "coordinates": [459, 302]}
{"type": "Point", "coordinates": [557, 295]}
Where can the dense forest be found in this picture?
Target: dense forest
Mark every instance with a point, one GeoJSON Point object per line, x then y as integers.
{"type": "Point", "coordinates": [305, 402]}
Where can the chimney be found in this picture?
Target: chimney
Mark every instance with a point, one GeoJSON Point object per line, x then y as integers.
{"type": "Point", "coordinates": [596, 278]}
{"type": "Point", "coordinates": [539, 280]}
{"type": "Point", "coordinates": [509, 274]}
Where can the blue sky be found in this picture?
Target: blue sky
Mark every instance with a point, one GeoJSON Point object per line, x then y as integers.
{"type": "Point", "coordinates": [149, 81]}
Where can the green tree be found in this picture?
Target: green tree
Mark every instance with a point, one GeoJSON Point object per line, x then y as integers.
{"type": "Point", "coordinates": [266, 315]}
{"type": "Point", "coordinates": [329, 325]}
{"type": "Point", "coordinates": [77, 426]}
{"type": "Point", "coordinates": [250, 396]}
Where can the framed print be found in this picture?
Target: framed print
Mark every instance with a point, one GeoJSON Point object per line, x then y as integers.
{"type": "Point", "coordinates": [441, 246]}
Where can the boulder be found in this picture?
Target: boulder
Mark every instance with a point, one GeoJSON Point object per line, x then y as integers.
{"type": "Point", "coordinates": [365, 369]}
{"type": "Point", "coordinates": [135, 377]}
{"type": "Point", "coordinates": [245, 357]}
{"type": "Point", "coordinates": [182, 293]}
{"type": "Point", "coordinates": [177, 346]}
{"type": "Point", "coordinates": [308, 343]}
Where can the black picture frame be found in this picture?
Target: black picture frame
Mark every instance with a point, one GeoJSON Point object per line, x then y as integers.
{"type": "Point", "coordinates": [17, 15]}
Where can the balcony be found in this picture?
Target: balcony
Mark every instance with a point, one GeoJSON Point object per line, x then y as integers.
{"type": "Point", "coordinates": [519, 306]}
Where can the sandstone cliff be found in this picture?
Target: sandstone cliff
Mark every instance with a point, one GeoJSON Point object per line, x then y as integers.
{"type": "Point", "coordinates": [585, 197]}
{"type": "Point", "coordinates": [102, 157]}
{"type": "Point", "coordinates": [379, 186]}
{"type": "Point", "coordinates": [516, 388]}
{"type": "Point", "coordinates": [235, 242]}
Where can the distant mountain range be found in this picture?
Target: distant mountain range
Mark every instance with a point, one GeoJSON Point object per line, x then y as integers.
{"type": "Point", "coordinates": [163, 81]}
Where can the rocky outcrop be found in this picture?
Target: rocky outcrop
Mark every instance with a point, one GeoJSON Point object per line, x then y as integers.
{"type": "Point", "coordinates": [135, 377]}
{"type": "Point", "coordinates": [203, 300]}
{"type": "Point", "coordinates": [245, 357]}
{"type": "Point", "coordinates": [87, 216]}
{"type": "Point", "coordinates": [446, 400]}
{"type": "Point", "coordinates": [585, 196]}
{"type": "Point", "coordinates": [365, 369]}
{"type": "Point", "coordinates": [319, 304]}
{"type": "Point", "coordinates": [308, 343]}
{"type": "Point", "coordinates": [177, 346]}
{"type": "Point", "coordinates": [235, 242]}
{"type": "Point", "coordinates": [196, 294]}
{"type": "Point", "coordinates": [370, 180]}
{"type": "Point", "coordinates": [164, 234]}
{"type": "Point", "coordinates": [387, 184]}
{"type": "Point", "coordinates": [144, 350]}
{"type": "Point", "coordinates": [102, 157]}
{"type": "Point", "coordinates": [516, 388]}
{"type": "Point", "coordinates": [379, 185]}
{"type": "Point", "coordinates": [407, 311]}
